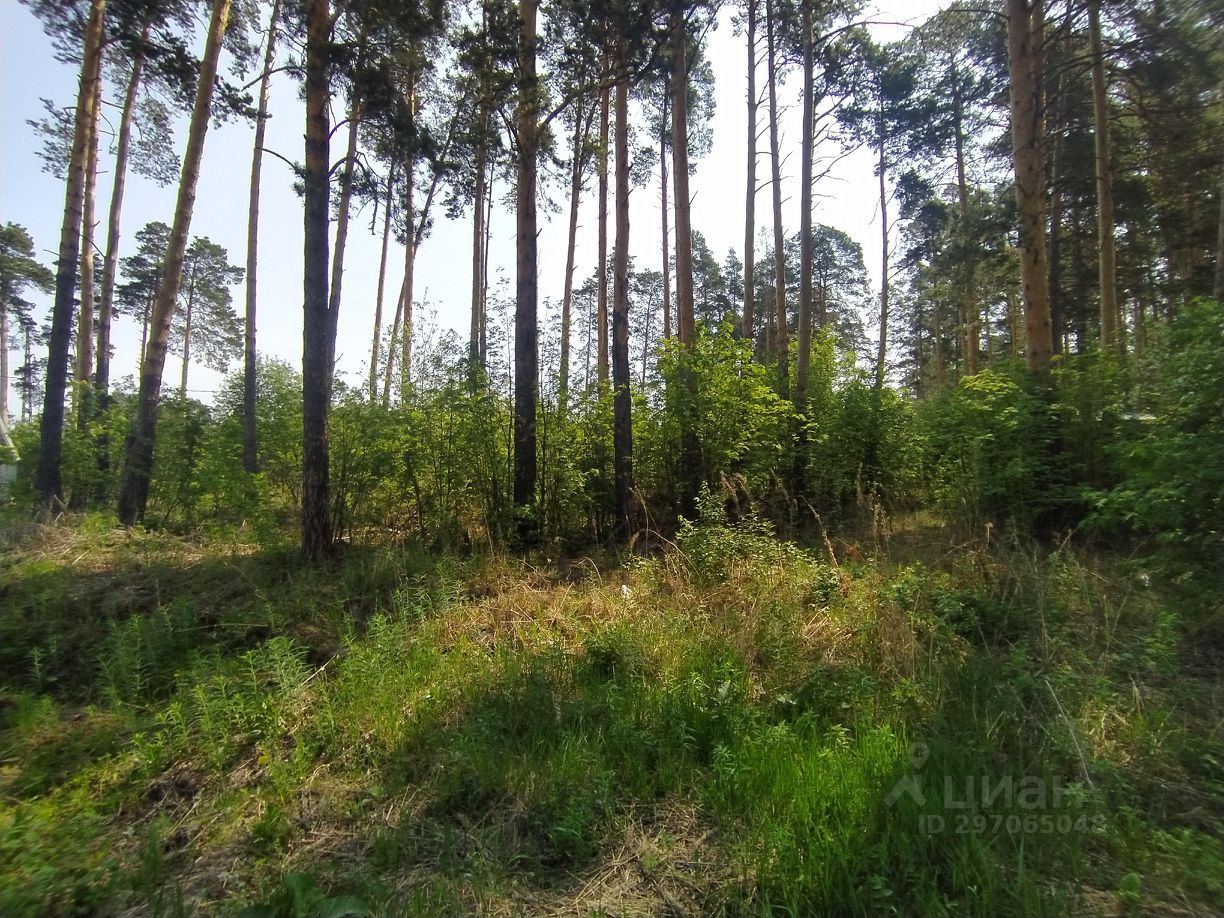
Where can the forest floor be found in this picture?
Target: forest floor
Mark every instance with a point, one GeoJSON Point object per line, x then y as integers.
{"type": "Point", "coordinates": [910, 723]}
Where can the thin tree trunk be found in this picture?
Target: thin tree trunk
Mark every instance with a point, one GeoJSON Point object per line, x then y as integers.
{"type": "Point", "coordinates": [382, 284]}
{"type": "Point", "coordinates": [805, 218]}
{"type": "Point", "coordinates": [316, 354]}
{"type": "Point", "coordinates": [775, 164]}
{"type": "Point", "coordinates": [138, 450]}
{"type": "Point", "coordinates": [342, 225]}
{"type": "Point", "coordinates": [622, 430]}
{"type": "Point", "coordinates": [478, 232]}
{"type": "Point", "coordinates": [969, 308]}
{"type": "Point", "coordinates": [526, 331]}
{"type": "Point", "coordinates": [85, 318]}
{"type": "Point", "coordinates": [110, 261]}
{"type": "Point", "coordinates": [392, 345]}
{"type": "Point", "coordinates": [1219, 268]}
{"type": "Point", "coordinates": [484, 271]}
{"type": "Point", "coordinates": [407, 293]}
{"type": "Point", "coordinates": [48, 481]}
{"type": "Point", "coordinates": [567, 295]}
{"type": "Point", "coordinates": [685, 325]}
{"type": "Point", "coordinates": [881, 168]}
{"type": "Point", "coordinates": [250, 434]}
{"type": "Point", "coordinates": [1112, 331]}
{"type": "Point", "coordinates": [667, 319]}
{"type": "Point", "coordinates": [4, 363]}
{"type": "Point", "coordinates": [187, 335]}
{"type": "Point", "coordinates": [1024, 67]}
{"type": "Point", "coordinates": [751, 189]}
{"type": "Point", "coordinates": [601, 353]}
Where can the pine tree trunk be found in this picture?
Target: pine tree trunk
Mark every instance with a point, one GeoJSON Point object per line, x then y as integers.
{"type": "Point", "coordinates": [803, 358]}
{"type": "Point", "coordinates": [392, 345]}
{"type": "Point", "coordinates": [1219, 267]}
{"type": "Point", "coordinates": [526, 333]}
{"type": "Point", "coordinates": [316, 354]}
{"type": "Point", "coordinates": [622, 431]}
{"type": "Point", "coordinates": [782, 341]}
{"type": "Point", "coordinates": [750, 192]}
{"type": "Point", "coordinates": [407, 292]}
{"type": "Point", "coordinates": [881, 168]}
{"type": "Point", "coordinates": [567, 295]}
{"type": "Point", "coordinates": [138, 450]}
{"type": "Point", "coordinates": [969, 307]}
{"type": "Point", "coordinates": [85, 317]}
{"type": "Point", "coordinates": [110, 262]}
{"type": "Point", "coordinates": [685, 325]}
{"type": "Point", "coordinates": [601, 294]}
{"type": "Point", "coordinates": [48, 482]}
{"type": "Point", "coordinates": [342, 224]}
{"type": "Point", "coordinates": [382, 284]}
{"type": "Point", "coordinates": [1025, 62]}
{"type": "Point", "coordinates": [484, 272]}
{"type": "Point", "coordinates": [667, 318]}
{"type": "Point", "coordinates": [478, 232]}
{"type": "Point", "coordinates": [187, 335]}
{"type": "Point", "coordinates": [250, 434]}
{"type": "Point", "coordinates": [1112, 331]}
{"type": "Point", "coordinates": [4, 363]}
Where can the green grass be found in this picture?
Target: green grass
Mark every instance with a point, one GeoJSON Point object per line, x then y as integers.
{"type": "Point", "coordinates": [194, 727]}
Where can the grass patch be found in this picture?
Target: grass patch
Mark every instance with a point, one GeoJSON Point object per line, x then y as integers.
{"type": "Point", "coordinates": [733, 727]}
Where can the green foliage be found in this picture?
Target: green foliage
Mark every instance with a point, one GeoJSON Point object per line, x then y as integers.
{"type": "Point", "coordinates": [1171, 464]}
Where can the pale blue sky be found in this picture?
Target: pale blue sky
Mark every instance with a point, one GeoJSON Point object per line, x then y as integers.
{"type": "Point", "coordinates": [33, 198]}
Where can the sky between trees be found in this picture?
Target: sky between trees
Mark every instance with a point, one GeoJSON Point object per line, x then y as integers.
{"type": "Point", "coordinates": [29, 72]}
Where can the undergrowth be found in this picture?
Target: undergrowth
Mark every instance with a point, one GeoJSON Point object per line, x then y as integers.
{"type": "Point", "coordinates": [738, 726]}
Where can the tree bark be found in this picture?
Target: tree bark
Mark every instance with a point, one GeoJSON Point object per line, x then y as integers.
{"type": "Point", "coordinates": [138, 450]}
{"type": "Point", "coordinates": [1025, 62]}
{"type": "Point", "coordinates": [4, 364]}
{"type": "Point", "coordinates": [392, 344]}
{"type": "Point", "coordinates": [567, 295]}
{"type": "Point", "coordinates": [526, 331]}
{"type": "Point", "coordinates": [478, 233]}
{"type": "Point", "coordinates": [685, 325]}
{"type": "Point", "coordinates": [85, 318]}
{"type": "Point", "coordinates": [407, 292]}
{"type": "Point", "coordinates": [110, 261]}
{"type": "Point", "coordinates": [342, 224]}
{"type": "Point", "coordinates": [1112, 331]}
{"type": "Point", "coordinates": [48, 482]}
{"type": "Point", "coordinates": [316, 354]}
{"type": "Point", "coordinates": [187, 335]}
{"type": "Point", "coordinates": [750, 192]}
{"type": "Point", "coordinates": [250, 434]}
{"type": "Point", "coordinates": [881, 168]}
{"type": "Point", "coordinates": [667, 318]}
{"type": "Point", "coordinates": [382, 284]}
{"type": "Point", "coordinates": [969, 307]}
{"type": "Point", "coordinates": [622, 431]}
{"type": "Point", "coordinates": [1219, 267]}
{"type": "Point", "coordinates": [803, 358]}
{"type": "Point", "coordinates": [601, 352]}
{"type": "Point", "coordinates": [782, 339]}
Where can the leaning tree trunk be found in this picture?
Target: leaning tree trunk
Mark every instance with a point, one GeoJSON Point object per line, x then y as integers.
{"type": "Point", "coordinates": [782, 339]}
{"type": "Point", "coordinates": [48, 481]}
{"type": "Point", "coordinates": [85, 317]}
{"type": "Point", "coordinates": [1111, 312]}
{"type": "Point", "coordinates": [601, 290]}
{"type": "Point", "coordinates": [342, 225]}
{"type": "Point", "coordinates": [567, 295]}
{"type": "Point", "coordinates": [622, 429]}
{"type": "Point", "coordinates": [803, 358]}
{"type": "Point", "coordinates": [526, 328]}
{"type": "Point", "coordinates": [382, 284]}
{"type": "Point", "coordinates": [250, 433]}
{"type": "Point", "coordinates": [138, 450]}
{"type": "Point", "coordinates": [316, 350]}
{"type": "Point", "coordinates": [750, 192]}
{"type": "Point", "coordinates": [110, 262]}
{"type": "Point", "coordinates": [1024, 60]}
